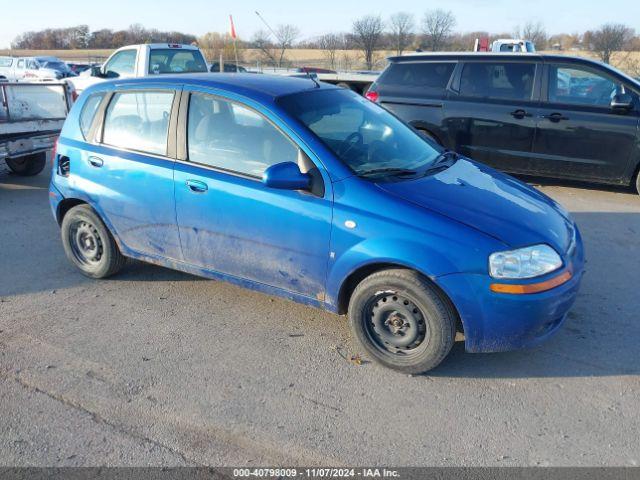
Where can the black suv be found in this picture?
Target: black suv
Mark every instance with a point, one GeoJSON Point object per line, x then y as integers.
{"type": "Point", "coordinates": [545, 115]}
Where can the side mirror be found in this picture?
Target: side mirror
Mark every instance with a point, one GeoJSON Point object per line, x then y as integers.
{"type": "Point", "coordinates": [622, 101]}
{"type": "Point", "coordinates": [96, 71]}
{"type": "Point", "coordinates": [286, 176]}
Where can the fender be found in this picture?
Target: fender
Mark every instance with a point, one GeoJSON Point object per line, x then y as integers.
{"type": "Point", "coordinates": [406, 253]}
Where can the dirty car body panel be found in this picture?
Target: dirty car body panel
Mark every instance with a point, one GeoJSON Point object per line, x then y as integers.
{"type": "Point", "coordinates": [169, 209]}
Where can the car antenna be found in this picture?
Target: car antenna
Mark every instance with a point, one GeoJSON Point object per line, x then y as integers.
{"type": "Point", "coordinates": [313, 76]}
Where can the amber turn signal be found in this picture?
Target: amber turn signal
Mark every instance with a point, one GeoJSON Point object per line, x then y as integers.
{"type": "Point", "coordinates": [532, 287]}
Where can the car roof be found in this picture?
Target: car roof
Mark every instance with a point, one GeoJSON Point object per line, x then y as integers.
{"type": "Point", "coordinates": [247, 84]}
{"type": "Point", "coordinates": [412, 57]}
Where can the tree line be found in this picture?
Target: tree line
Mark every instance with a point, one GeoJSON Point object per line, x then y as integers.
{"type": "Point", "coordinates": [369, 36]}
{"type": "Point", "coordinates": [80, 37]}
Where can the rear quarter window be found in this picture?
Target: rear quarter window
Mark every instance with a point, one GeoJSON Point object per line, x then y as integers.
{"type": "Point", "coordinates": [419, 79]}
{"type": "Point", "coordinates": [88, 113]}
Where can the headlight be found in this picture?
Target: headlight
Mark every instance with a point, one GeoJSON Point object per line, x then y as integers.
{"type": "Point", "coordinates": [525, 262]}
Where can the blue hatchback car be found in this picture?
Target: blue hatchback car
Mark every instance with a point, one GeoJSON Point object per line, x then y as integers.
{"type": "Point", "coordinates": [313, 193]}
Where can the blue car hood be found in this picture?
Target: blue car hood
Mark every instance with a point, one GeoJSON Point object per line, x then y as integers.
{"type": "Point", "coordinates": [491, 202]}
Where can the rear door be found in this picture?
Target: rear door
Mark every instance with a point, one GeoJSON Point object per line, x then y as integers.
{"type": "Point", "coordinates": [415, 92]}
{"type": "Point", "coordinates": [579, 135]}
{"type": "Point", "coordinates": [230, 222]}
{"type": "Point", "coordinates": [491, 117]}
{"type": "Point", "coordinates": [128, 167]}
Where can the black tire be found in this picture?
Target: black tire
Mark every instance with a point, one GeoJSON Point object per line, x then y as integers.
{"type": "Point", "coordinates": [28, 165]}
{"type": "Point", "coordinates": [88, 243]}
{"type": "Point", "coordinates": [638, 182]}
{"type": "Point", "coordinates": [346, 85]}
{"type": "Point", "coordinates": [387, 298]}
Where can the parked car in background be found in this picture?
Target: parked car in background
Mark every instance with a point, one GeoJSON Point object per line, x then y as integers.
{"type": "Point", "coordinates": [56, 64]}
{"type": "Point", "coordinates": [543, 115]}
{"type": "Point", "coordinates": [31, 117]}
{"type": "Point", "coordinates": [135, 61]}
{"type": "Point", "coordinates": [78, 68]}
{"type": "Point", "coordinates": [227, 67]}
{"type": "Point", "coordinates": [315, 70]}
{"type": "Point", "coordinates": [313, 193]}
{"type": "Point", "coordinates": [509, 45]}
{"type": "Point", "coordinates": [27, 69]}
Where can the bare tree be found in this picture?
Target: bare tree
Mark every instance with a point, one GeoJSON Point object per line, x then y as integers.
{"type": "Point", "coordinates": [286, 36]}
{"type": "Point", "coordinates": [610, 38]}
{"type": "Point", "coordinates": [535, 32]}
{"type": "Point", "coordinates": [330, 43]}
{"type": "Point", "coordinates": [261, 42]}
{"type": "Point", "coordinates": [401, 27]}
{"type": "Point", "coordinates": [367, 34]}
{"type": "Point", "coordinates": [437, 26]}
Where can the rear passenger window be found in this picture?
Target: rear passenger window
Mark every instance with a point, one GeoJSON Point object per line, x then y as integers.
{"type": "Point", "coordinates": [428, 79]}
{"type": "Point", "coordinates": [507, 81]}
{"type": "Point", "coordinates": [139, 121]}
{"type": "Point", "coordinates": [88, 112]}
{"type": "Point", "coordinates": [232, 137]}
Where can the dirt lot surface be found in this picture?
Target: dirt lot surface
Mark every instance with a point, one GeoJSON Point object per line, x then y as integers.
{"type": "Point", "coordinates": [155, 367]}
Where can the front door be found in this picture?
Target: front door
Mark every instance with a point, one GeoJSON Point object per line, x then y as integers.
{"type": "Point", "coordinates": [229, 221]}
{"type": "Point", "coordinates": [492, 117]}
{"type": "Point", "coordinates": [579, 135]}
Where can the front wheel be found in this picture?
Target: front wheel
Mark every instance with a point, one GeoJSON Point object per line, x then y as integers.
{"type": "Point", "coordinates": [89, 245]}
{"type": "Point", "coordinates": [28, 165]}
{"type": "Point", "coordinates": [402, 321]}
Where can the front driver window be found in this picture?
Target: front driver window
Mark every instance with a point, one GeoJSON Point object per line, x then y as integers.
{"type": "Point", "coordinates": [232, 137]}
{"type": "Point", "coordinates": [578, 86]}
{"type": "Point", "coordinates": [122, 63]}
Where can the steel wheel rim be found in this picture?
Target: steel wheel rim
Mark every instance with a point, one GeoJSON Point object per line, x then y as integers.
{"type": "Point", "coordinates": [396, 325]}
{"type": "Point", "coordinates": [86, 243]}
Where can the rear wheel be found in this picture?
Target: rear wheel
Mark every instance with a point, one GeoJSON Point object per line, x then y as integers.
{"type": "Point", "coordinates": [29, 164]}
{"type": "Point", "coordinates": [346, 85]}
{"type": "Point", "coordinates": [89, 245]}
{"type": "Point", "coordinates": [402, 320]}
{"type": "Point", "coordinates": [638, 182]}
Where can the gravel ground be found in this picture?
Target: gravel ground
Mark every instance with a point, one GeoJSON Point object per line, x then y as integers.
{"type": "Point", "coordinates": [156, 367]}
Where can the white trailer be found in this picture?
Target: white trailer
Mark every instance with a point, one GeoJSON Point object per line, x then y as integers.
{"type": "Point", "coordinates": [31, 117]}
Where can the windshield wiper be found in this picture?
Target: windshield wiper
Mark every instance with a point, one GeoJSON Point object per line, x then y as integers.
{"type": "Point", "coordinates": [445, 157]}
{"type": "Point", "coordinates": [443, 161]}
{"type": "Point", "coordinates": [396, 172]}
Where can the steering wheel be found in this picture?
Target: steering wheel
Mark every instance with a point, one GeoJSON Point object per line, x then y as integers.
{"type": "Point", "coordinates": [348, 143]}
{"type": "Point", "coordinates": [375, 148]}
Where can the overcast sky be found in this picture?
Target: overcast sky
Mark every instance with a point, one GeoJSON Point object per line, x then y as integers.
{"type": "Point", "coordinates": [313, 17]}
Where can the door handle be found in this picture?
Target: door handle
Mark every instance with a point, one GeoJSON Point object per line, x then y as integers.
{"type": "Point", "coordinates": [96, 162]}
{"type": "Point", "coordinates": [197, 186]}
{"type": "Point", "coordinates": [520, 114]}
{"type": "Point", "coordinates": [555, 117]}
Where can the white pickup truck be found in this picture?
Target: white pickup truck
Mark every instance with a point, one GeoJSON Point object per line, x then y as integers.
{"type": "Point", "coordinates": [27, 69]}
{"type": "Point", "coordinates": [31, 117]}
{"type": "Point", "coordinates": [135, 61]}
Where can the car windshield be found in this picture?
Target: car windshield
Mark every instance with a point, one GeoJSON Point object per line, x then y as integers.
{"type": "Point", "coordinates": [363, 135]}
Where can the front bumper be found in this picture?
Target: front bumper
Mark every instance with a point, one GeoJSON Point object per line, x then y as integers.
{"type": "Point", "coordinates": [497, 322]}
